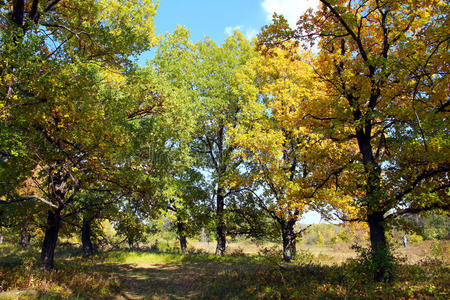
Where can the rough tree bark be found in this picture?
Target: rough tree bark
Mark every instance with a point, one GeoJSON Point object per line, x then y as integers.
{"type": "Point", "coordinates": [380, 254]}
{"type": "Point", "coordinates": [220, 229]}
{"type": "Point", "coordinates": [289, 240]}
{"type": "Point", "coordinates": [59, 189]}
{"type": "Point", "coordinates": [88, 249]}
{"type": "Point", "coordinates": [379, 246]}
{"type": "Point", "coordinates": [181, 236]}
{"type": "Point", "coordinates": [50, 239]}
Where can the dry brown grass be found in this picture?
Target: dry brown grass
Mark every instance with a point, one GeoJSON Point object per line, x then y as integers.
{"type": "Point", "coordinates": [246, 247]}
{"type": "Point", "coordinates": [326, 254]}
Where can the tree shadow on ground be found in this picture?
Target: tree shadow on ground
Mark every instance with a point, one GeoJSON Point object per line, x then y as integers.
{"type": "Point", "coordinates": [220, 281]}
{"type": "Point", "coordinates": [167, 281]}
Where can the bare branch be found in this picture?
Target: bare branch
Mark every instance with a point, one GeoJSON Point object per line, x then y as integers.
{"type": "Point", "coordinates": [51, 5]}
{"type": "Point", "coordinates": [32, 197]}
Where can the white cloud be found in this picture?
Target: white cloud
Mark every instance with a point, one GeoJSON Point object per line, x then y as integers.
{"type": "Point", "coordinates": [229, 30]}
{"type": "Point", "coordinates": [249, 33]}
{"type": "Point", "coordinates": [290, 9]}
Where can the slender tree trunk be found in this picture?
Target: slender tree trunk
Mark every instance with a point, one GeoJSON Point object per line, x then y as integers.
{"type": "Point", "coordinates": [88, 249]}
{"type": "Point", "coordinates": [289, 241]}
{"type": "Point", "coordinates": [18, 12]}
{"type": "Point", "coordinates": [380, 249]}
{"type": "Point", "coordinates": [220, 229]}
{"type": "Point", "coordinates": [181, 236]}
{"type": "Point", "coordinates": [50, 239]}
{"type": "Point", "coordinates": [25, 237]}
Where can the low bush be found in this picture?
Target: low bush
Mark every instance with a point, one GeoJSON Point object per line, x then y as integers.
{"type": "Point", "coordinates": [70, 279]}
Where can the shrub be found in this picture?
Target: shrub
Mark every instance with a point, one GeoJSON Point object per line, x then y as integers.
{"type": "Point", "coordinates": [70, 279]}
{"type": "Point", "coordinates": [320, 239]}
{"type": "Point", "coordinates": [237, 252]}
{"type": "Point", "coordinates": [439, 250]}
{"type": "Point", "coordinates": [270, 255]}
{"type": "Point", "coordinates": [304, 257]}
{"type": "Point", "coordinates": [368, 266]}
{"type": "Point", "coordinates": [415, 238]}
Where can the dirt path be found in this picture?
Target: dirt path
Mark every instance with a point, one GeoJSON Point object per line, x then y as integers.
{"type": "Point", "coordinates": [166, 281]}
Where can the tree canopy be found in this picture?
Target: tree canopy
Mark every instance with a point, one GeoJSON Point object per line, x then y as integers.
{"type": "Point", "coordinates": [384, 65]}
{"type": "Point", "coordinates": [346, 114]}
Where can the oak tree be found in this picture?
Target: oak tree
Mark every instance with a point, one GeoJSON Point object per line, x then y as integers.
{"type": "Point", "coordinates": [385, 68]}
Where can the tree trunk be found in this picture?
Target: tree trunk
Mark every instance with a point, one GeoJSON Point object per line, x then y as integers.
{"type": "Point", "coordinates": [50, 239]}
{"type": "Point", "coordinates": [18, 12]}
{"type": "Point", "coordinates": [289, 242]}
{"type": "Point", "coordinates": [181, 236]}
{"type": "Point", "coordinates": [88, 249]}
{"type": "Point", "coordinates": [220, 229]}
{"type": "Point", "coordinates": [25, 237]}
{"type": "Point", "coordinates": [381, 257]}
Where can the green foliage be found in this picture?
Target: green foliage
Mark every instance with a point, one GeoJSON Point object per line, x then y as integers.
{"type": "Point", "coordinates": [415, 238]}
{"type": "Point", "coordinates": [436, 226]}
{"type": "Point", "coordinates": [439, 250]}
{"type": "Point", "coordinates": [378, 106]}
{"type": "Point", "coordinates": [358, 129]}
{"type": "Point", "coordinates": [304, 257]}
{"type": "Point", "coordinates": [204, 73]}
{"type": "Point", "coordinates": [369, 265]}
{"type": "Point", "coordinates": [341, 237]}
{"type": "Point", "coordinates": [80, 113]}
{"type": "Point", "coordinates": [320, 239]}
{"type": "Point", "coordinates": [271, 256]}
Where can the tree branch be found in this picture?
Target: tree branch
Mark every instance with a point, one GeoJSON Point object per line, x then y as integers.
{"type": "Point", "coordinates": [32, 197]}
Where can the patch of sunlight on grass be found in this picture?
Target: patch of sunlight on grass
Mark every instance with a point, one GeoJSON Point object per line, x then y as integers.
{"type": "Point", "coordinates": [210, 258]}
{"type": "Point", "coordinates": [159, 258]}
{"type": "Point", "coordinates": [142, 258]}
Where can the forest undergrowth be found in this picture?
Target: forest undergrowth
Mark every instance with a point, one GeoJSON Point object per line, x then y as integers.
{"type": "Point", "coordinates": [151, 273]}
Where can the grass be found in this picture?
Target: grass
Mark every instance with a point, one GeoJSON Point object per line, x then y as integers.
{"type": "Point", "coordinates": [140, 257]}
{"type": "Point", "coordinates": [320, 272]}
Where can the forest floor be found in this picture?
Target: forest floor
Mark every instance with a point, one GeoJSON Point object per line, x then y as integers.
{"type": "Point", "coordinates": [178, 281]}
{"type": "Point", "coordinates": [320, 272]}
{"type": "Point", "coordinates": [209, 278]}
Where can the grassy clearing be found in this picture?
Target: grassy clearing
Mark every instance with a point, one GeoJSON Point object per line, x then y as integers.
{"type": "Point", "coordinates": [320, 272]}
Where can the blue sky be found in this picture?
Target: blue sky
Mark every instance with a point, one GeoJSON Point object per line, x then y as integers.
{"type": "Point", "coordinates": [210, 17]}
{"type": "Point", "coordinates": [215, 18]}
{"type": "Point", "coordinates": [218, 19]}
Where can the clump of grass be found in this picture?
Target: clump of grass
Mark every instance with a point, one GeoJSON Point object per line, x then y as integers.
{"type": "Point", "coordinates": [308, 278]}
{"type": "Point", "coordinates": [315, 281]}
{"type": "Point", "coordinates": [70, 279]}
{"type": "Point", "coordinates": [225, 260]}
